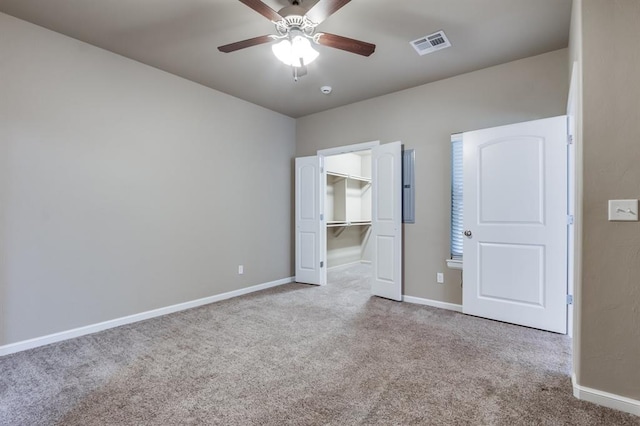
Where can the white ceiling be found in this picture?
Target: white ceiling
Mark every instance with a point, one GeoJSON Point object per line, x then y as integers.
{"type": "Point", "coordinates": [181, 37]}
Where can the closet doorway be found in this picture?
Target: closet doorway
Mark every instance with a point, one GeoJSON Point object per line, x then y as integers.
{"type": "Point", "coordinates": [348, 211]}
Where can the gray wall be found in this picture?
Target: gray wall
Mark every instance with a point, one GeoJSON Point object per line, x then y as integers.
{"type": "Point", "coordinates": [124, 188]}
{"type": "Point", "coordinates": [609, 345]}
{"type": "Point", "coordinates": [423, 118]}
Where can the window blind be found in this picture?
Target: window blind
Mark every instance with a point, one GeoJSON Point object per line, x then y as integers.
{"type": "Point", "coordinates": [456, 197]}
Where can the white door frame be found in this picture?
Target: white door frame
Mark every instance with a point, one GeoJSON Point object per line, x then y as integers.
{"type": "Point", "coordinates": [572, 107]}
{"type": "Point", "coordinates": [364, 146]}
{"type": "Point", "coordinates": [347, 148]}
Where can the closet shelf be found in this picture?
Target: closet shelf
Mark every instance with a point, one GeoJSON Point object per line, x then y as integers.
{"type": "Point", "coordinates": [340, 226]}
{"type": "Point", "coordinates": [343, 223]}
{"type": "Point", "coordinates": [337, 175]}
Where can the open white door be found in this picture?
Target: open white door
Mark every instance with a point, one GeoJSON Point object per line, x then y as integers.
{"type": "Point", "coordinates": [309, 225]}
{"type": "Point", "coordinates": [515, 221]}
{"type": "Point", "coordinates": [386, 220]}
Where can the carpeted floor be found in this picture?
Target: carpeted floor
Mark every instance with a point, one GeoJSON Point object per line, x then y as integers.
{"type": "Point", "coordinates": [301, 355]}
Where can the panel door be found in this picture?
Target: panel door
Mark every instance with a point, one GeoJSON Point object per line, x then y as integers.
{"type": "Point", "coordinates": [515, 217]}
{"type": "Point", "coordinates": [386, 220]}
{"type": "Point", "coordinates": [309, 225]}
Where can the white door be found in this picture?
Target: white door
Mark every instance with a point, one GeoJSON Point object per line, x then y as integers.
{"type": "Point", "coordinates": [386, 220]}
{"type": "Point", "coordinates": [309, 225]}
{"type": "Point", "coordinates": [515, 221]}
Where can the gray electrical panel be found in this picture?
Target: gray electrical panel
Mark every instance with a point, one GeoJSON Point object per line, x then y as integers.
{"type": "Point", "coordinates": [408, 186]}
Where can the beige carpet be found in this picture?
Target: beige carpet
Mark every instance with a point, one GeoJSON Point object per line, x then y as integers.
{"type": "Point", "coordinates": [301, 355]}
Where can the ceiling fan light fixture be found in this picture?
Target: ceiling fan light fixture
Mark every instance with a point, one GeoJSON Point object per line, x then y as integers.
{"type": "Point", "coordinates": [295, 51]}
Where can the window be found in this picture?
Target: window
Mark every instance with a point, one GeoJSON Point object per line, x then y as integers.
{"type": "Point", "coordinates": [456, 196]}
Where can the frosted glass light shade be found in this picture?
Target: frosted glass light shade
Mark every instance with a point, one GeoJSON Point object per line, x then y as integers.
{"type": "Point", "coordinates": [295, 53]}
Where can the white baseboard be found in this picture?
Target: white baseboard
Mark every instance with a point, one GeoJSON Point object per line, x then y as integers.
{"type": "Point", "coordinates": [94, 328]}
{"type": "Point", "coordinates": [434, 303]}
{"type": "Point", "coordinates": [605, 399]}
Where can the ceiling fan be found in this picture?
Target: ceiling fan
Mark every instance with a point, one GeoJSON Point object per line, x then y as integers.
{"type": "Point", "coordinates": [296, 31]}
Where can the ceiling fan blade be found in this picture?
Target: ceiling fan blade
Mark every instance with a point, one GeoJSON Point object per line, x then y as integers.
{"type": "Point", "coordinates": [324, 8]}
{"type": "Point", "coordinates": [232, 47]}
{"type": "Point", "coordinates": [344, 43]}
{"type": "Point", "coordinates": [263, 9]}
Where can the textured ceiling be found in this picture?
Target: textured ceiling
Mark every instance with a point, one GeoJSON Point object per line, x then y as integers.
{"type": "Point", "coordinates": [181, 36]}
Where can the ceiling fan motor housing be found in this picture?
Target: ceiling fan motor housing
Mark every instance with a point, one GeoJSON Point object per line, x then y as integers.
{"type": "Point", "coordinates": [295, 22]}
{"type": "Point", "coordinates": [294, 9]}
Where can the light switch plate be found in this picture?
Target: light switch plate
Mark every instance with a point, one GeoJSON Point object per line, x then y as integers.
{"type": "Point", "coordinates": [623, 210]}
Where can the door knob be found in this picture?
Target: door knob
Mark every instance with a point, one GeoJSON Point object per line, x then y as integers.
{"type": "Point", "coordinates": [467, 233]}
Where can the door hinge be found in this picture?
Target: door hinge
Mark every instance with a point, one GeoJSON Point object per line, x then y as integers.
{"type": "Point", "coordinates": [321, 170]}
{"type": "Point", "coordinates": [569, 139]}
{"type": "Point", "coordinates": [569, 299]}
{"type": "Point", "coordinates": [569, 219]}
{"type": "Point", "coordinates": [322, 264]}
{"type": "Point", "coordinates": [321, 217]}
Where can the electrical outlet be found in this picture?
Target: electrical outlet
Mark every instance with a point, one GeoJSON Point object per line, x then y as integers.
{"type": "Point", "coordinates": [440, 277]}
{"type": "Point", "coordinates": [240, 269]}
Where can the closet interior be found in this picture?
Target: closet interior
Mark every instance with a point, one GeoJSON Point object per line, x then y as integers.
{"type": "Point", "coordinates": [348, 208]}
